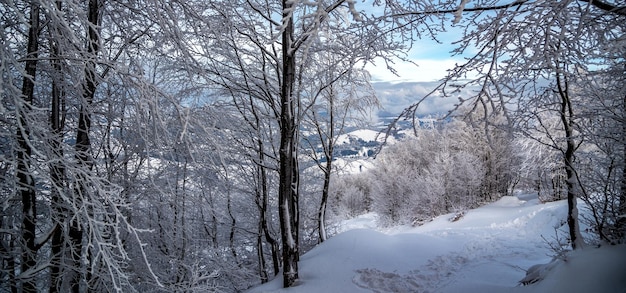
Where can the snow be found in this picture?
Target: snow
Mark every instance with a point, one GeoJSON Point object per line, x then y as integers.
{"type": "Point", "coordinates": [363, 134]}
{"type": "Point", "coordinates": [352, 166]}
{"type": "Point", "coordinates": [489, 249]}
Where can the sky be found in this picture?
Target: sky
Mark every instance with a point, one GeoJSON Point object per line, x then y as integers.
{"type": "Point", "coordinates": [431, 62]}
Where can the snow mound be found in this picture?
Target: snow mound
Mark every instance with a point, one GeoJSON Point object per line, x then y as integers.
{"type": "Point", "coordinates": [361, 134]}
{"type": "Point", "coordinates": [487, 250]}
{"type": "Point", "coordinates": [508, 201]}
{"type": "Point", "coordinates": [538, 272]}
{"type": "Point", "coordinates": [600, 270]}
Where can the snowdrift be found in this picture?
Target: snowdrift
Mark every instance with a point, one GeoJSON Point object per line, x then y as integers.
{"type": "Point", "coordinates": [489, 249]}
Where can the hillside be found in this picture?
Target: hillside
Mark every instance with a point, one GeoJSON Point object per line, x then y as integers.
{"type": "Point", "coordinates": [487, 250]}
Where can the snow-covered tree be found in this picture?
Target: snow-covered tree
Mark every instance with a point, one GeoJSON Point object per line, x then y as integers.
{"type": "Point", "coordinates": [529, 54]}
{"type": "Point", "coordinates": [266, 57]}
{"type": "Point", "coordinates": [444, 169]}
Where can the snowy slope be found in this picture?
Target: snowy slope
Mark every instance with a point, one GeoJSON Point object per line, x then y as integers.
{"type": "Point", "coordinates": [488, 250]}
{"type": "Point", "coordinates": [361, 134]}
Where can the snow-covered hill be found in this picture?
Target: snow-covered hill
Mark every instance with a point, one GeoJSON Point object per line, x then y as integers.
{"type": "Point", "coordinates": [487, 250]}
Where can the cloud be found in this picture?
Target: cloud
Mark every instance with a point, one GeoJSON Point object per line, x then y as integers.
{"type": "Point", "coordinates": [411, 84]}
{"type": "Point", "coordinates": [396, 96]}
{"type": "Point", "coordinates": [431, 63]}
{"type": "Point", "coordinates": [426, 70]}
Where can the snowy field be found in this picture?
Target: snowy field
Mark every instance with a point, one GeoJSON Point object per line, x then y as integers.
{"type": "Point", "coordinates": [488, 250]}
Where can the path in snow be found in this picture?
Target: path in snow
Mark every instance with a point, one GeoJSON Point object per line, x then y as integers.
{"type": "Point", "coordinates": [488, 250]}
{"type": "Point", "coordinates": [495, 244]}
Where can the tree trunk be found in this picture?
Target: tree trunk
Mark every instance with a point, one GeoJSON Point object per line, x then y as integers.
{"type": "Point", "coordinates": [621, 212]}
{"type": "Point", "coordinates": [26, 182]}
{"type": "Point", "coordinates": [263, 205]}
{"type": "Point", "coordinates": [289, 176]}
{"type": "Point", "coordinates": [57, 175]}
{"type": "Point", "coordinates": [321, 218]}
{"type": "Point", "coordinates": [83, 148]}
{"type": "Point", "coordinates": [322, 210]}
{"type": "Point", "coordinates": [261, 256]}
{"type": "Point", "coordinates": [7, 248]}
{"type": "Point", "coordinates": [57, 170]}
{"type": "Point", "coordinates": [567, 115]}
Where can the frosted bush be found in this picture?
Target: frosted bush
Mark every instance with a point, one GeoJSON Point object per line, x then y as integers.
{"type": "Point", "coordinates": [350, 195]}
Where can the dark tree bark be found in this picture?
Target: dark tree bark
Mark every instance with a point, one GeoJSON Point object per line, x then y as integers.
{"type": "Point", "coordinates": [83, 145]}
{"type": "Point", "coordinates": [263, 202]}
{"type": "Point", "coordinates": [261, 256]}
{"type": "Point", "coordinates": [621, 211]}
{"type": "Point", "coordinates": [566, 115]}
{"type": "Point", "coordinates": [321, 217]}
{"type": "Point", "coordinates": [26, 182]}
{"type": "Point", "coordinates": [329, 148]}
{"type": "Point", "coordinates": [57, 169]}
{"type": "Point", "coordinates": [288, 169]}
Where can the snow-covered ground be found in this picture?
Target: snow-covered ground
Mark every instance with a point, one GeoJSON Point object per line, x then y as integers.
{"type": "Point", "coordinates": [362, 134]}
{"type": "Point", "coordinates": [488, 250]}
{"type": "Point", "coordinates": [352, 166]}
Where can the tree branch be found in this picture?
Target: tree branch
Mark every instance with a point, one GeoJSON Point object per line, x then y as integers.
{"type": "Point", "coordinates": [597, 3]}
{"type": "Point", "coordinates": [607, 7]}
{"type": "Point", "coordinates": [488, 8]}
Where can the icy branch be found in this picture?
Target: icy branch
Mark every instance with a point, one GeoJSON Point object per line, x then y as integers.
{"type": "Point", "coordinates": [458, 14]}
{"type": "Point", "coordinates": [355, 14]}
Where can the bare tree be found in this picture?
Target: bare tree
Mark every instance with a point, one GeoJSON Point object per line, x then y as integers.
{"type": "Point", "coordinates": [26, 182]}
{"type": "Point", "coordinates": [600, 165]}
{"type": "Point", "coordinates": [252, 60]}
{"type": "Point", "coordinates": [341, 98]}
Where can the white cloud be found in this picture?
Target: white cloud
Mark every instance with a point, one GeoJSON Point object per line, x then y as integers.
{"type": "Point", "coordinates": [431, 63]}
{"type": "Point", "coordinates": [395, 96]}
{"type": "Point", "coordinates": [426, 70]}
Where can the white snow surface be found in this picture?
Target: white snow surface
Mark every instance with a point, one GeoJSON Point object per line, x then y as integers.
{"type": "Point", "coordinates": [363, 134]}
{"type": "Point", "coordinates": [352, 166]}
{"type": "Point", "coordinates": [488, 250]}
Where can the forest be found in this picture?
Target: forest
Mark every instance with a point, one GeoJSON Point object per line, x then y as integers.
{"type": "Point", "coordinates": [193, 146]}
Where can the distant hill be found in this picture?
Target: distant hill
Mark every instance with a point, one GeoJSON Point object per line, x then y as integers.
{"type": "Point", "coordinates": [364, 141]}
